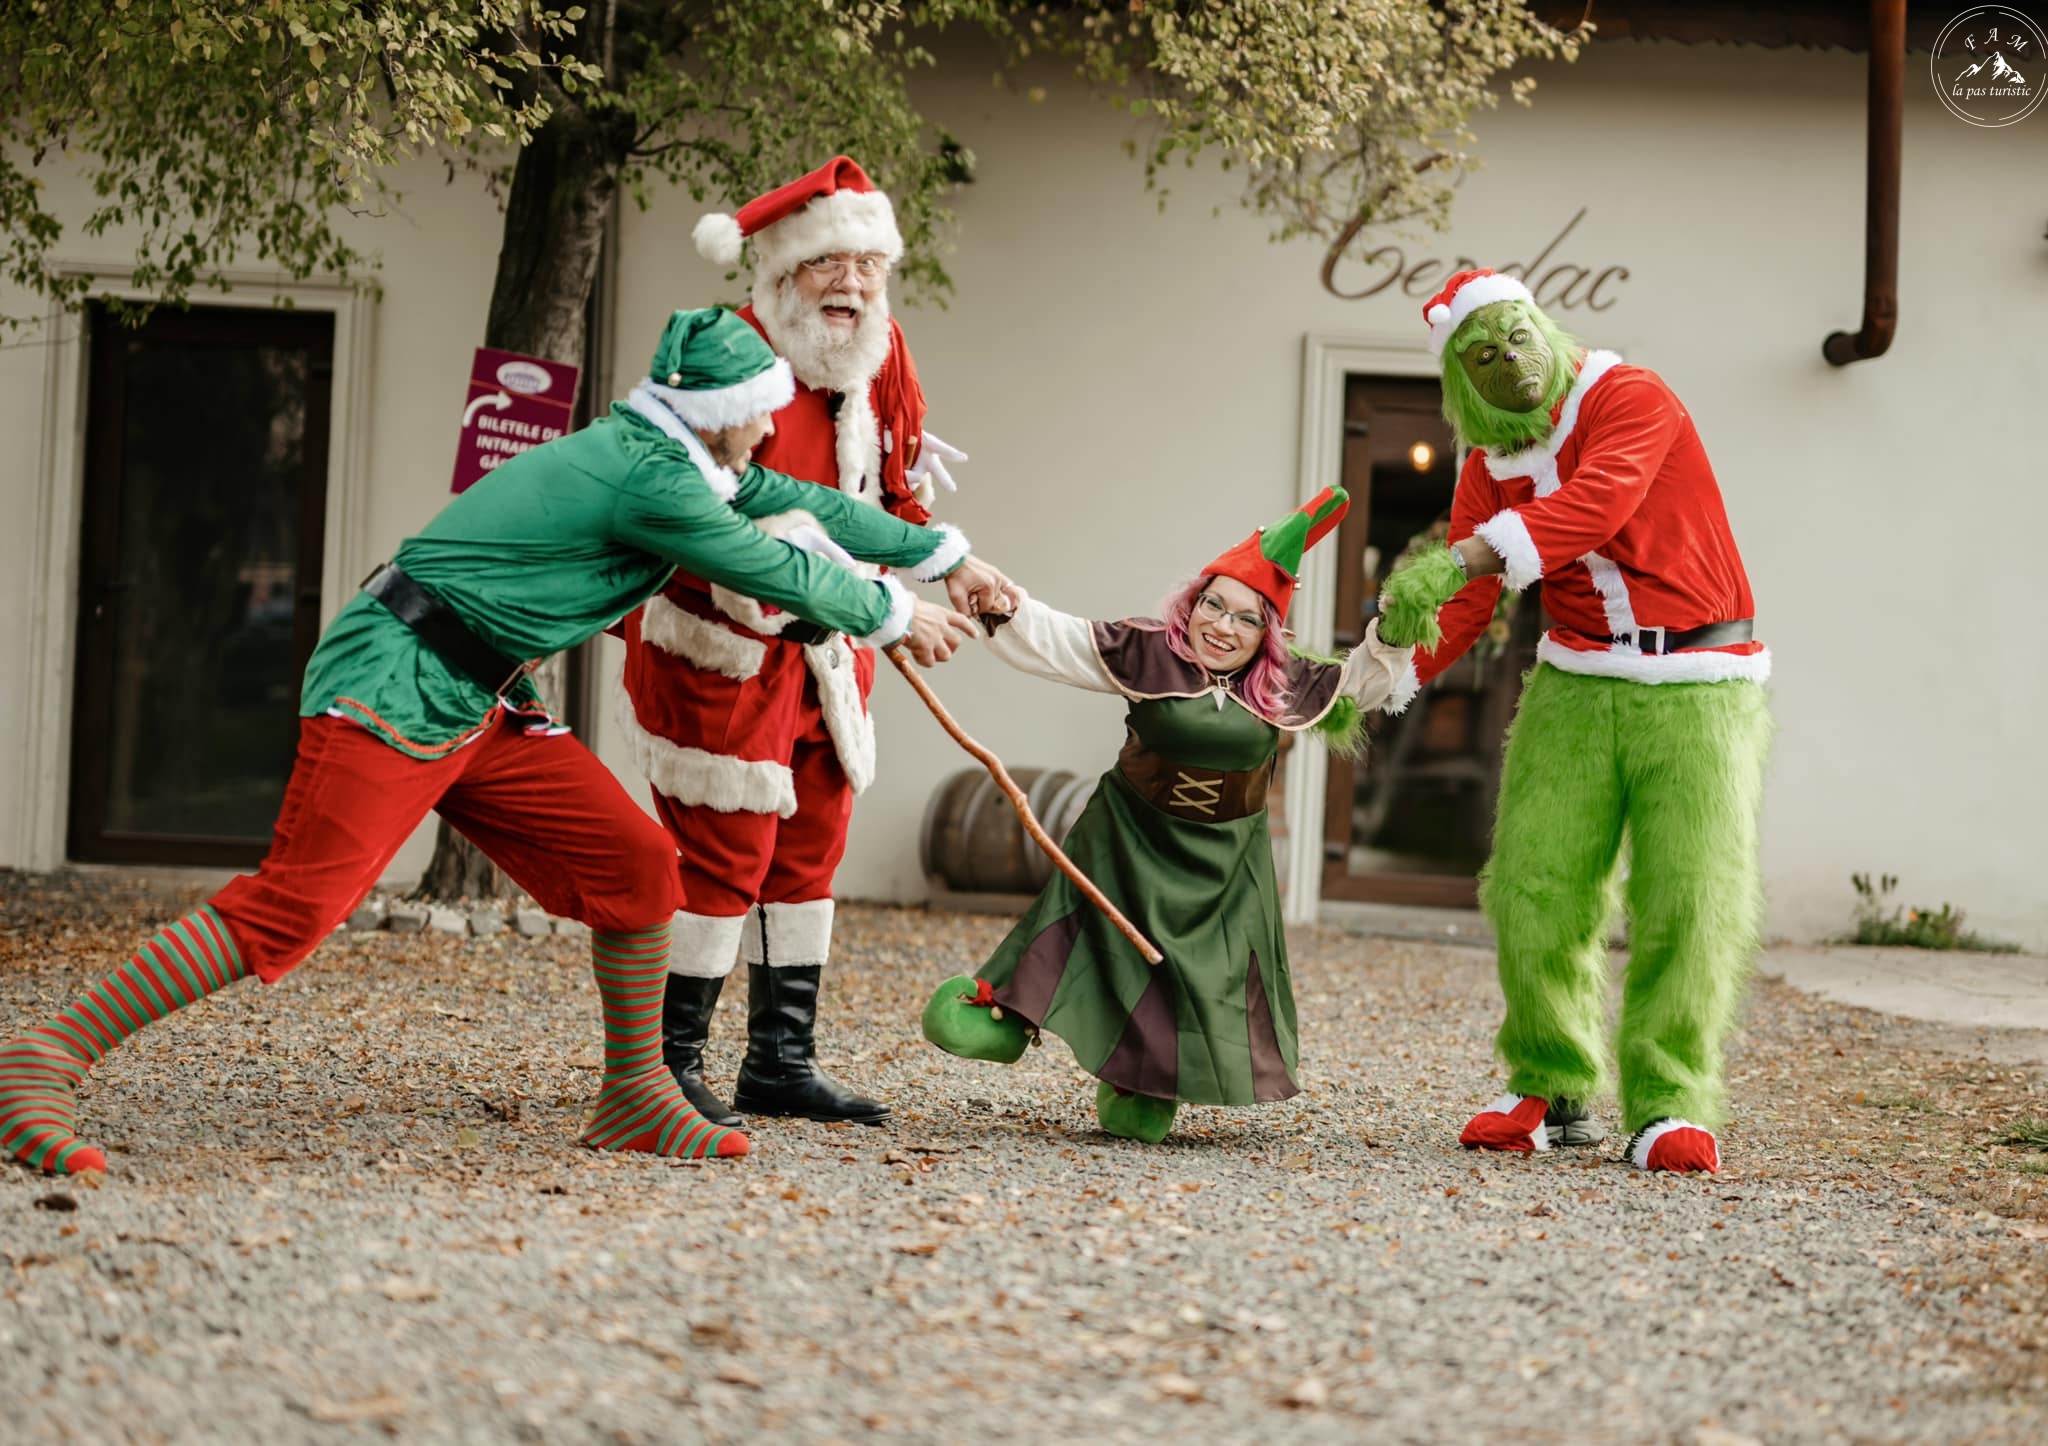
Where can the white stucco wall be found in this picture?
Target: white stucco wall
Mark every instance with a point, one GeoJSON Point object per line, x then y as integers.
{"type": "Point", "coordinates": [1128, 381]}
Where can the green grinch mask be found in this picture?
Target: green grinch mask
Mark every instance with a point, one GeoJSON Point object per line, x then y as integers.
{"type": "Point", "coordinates": [1503, 371]}
{"type": "Point", "coordinates": [1505, 356]}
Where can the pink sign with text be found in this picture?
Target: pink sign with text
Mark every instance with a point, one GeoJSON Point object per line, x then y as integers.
{"type": "Point", "coordinates": [515, 404]}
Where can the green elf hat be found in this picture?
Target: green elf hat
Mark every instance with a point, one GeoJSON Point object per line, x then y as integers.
{"type": "Point", "coordinates": [714, 371]}
{"type": "Point", "coordinates": [1269, 561]}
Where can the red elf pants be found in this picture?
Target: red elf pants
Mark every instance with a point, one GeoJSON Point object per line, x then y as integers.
{"type": "Point", "coordinates": [542, 808]}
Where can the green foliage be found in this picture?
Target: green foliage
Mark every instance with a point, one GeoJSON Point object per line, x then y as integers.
{"type": "Point", "coordinates": [1880, 921]}
{"type": "Point", "coordinates": [217, 132]}
{"type": "Point", "coordinates": [1342, 114]}
{"type": "Point", "coordinates": [2027, 1132]}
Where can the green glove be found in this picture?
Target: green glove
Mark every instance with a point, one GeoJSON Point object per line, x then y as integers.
{"type": "Point", "coordinates": [1414, 594]}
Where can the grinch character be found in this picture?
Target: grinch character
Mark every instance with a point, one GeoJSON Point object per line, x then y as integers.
{"type": "Point", "coordinates": [752, 726]}
{"type": "Point", "coordinates": [1644, 719]}
{"type": "Point", "coordinates": [419, 697]}
{"type": "Point", "coordinates": [1176, 837]}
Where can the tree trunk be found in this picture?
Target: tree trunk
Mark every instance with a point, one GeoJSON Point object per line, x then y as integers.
{"type": "Point", "coordinates": [563, 188]}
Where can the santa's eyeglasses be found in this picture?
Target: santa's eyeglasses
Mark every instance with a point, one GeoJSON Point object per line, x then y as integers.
{"type": "Point", "coordinates": [865, 265]}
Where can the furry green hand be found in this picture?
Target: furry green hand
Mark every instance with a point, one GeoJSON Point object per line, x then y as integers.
{"type": "Point", "coordinates": [1414, 594]}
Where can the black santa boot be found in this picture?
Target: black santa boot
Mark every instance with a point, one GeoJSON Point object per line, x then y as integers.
{"type": "Point", "coordinates": [780, 1075]}
{"type": "Point", "coordinates": [686, 1006]}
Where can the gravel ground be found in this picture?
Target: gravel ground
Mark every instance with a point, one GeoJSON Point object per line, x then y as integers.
{"type": "Point", "coordinates": [351, 1208]}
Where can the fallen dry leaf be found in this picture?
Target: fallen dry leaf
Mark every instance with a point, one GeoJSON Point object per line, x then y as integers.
{"type": "Point", "coordinates": [371, 1408]}
{"type": "Point", "coordinates": [406, 1290]}
{"type": "Point", "coordinates": [1307, 1394]}
{"type": "Point", "coordinates": [1178, 1388]}
{"type": "Point", "coordinates": [923, 1247]}
{"type": "Point", "coordinates": [735, 1374]}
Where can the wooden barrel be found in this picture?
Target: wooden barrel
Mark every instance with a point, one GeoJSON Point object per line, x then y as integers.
{"type": "Point", "coordinates": [973, 842]}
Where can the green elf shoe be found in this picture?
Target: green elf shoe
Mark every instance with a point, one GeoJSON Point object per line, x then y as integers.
{"type": "Point", "coordinates": [1133, 1117]}
{"type": "Point", "coordinates": [963, 1018]}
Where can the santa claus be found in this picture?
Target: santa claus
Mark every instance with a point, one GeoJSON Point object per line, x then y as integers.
{"type": "Point", "coordinates": [752, 726]}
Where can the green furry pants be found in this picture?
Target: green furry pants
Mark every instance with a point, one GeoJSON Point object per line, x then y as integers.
{"type": "Point", "coordinates": [1678, 768]}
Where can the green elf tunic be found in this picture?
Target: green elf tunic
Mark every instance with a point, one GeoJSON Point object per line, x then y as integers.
{"type": "Point", "coordinates": [1176, 836]}
{"type": "Point", "coordinates": [562, 541]}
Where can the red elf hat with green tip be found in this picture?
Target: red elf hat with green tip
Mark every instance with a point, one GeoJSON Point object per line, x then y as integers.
{"type": "Point", "coordinates": [1269, 561]}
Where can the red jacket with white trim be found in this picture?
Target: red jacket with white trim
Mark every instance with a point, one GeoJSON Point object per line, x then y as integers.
{"type": "Point", "coordinates": [1619, 515]}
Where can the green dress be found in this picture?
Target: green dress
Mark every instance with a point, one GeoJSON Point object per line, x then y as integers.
{"type": "Point", "coordinates": [1176, 837]}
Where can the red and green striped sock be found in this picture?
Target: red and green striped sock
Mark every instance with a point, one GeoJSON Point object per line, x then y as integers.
{"type": "Point", "coordinates": [639, 1106]}
{"type": "Point", "coordinates": [40, 1071]}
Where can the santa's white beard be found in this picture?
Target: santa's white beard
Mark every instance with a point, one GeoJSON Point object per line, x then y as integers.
{"type": "Point", "coordinates": [823, 355]}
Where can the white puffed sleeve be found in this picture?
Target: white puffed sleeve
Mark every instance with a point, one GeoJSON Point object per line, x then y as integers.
{"type": "Point", "coordinates": [1379, 675]}
{"type": "Point", "coordinates": [1053, 645]}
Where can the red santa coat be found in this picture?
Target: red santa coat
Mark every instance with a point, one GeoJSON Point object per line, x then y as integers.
{"type": "Point", "coordinates": [1618, 513]}
{"type": "Point", "coordinates": [717, 699]}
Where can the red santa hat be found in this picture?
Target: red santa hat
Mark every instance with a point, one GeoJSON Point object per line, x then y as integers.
{"type": "Point", "coordinates": [834, 208]}
{"type": "Point", "coordinates": [1464, 294]}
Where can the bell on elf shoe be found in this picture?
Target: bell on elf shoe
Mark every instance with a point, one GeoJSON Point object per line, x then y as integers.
{"type": "Point", "coordinates": [963, 1018]}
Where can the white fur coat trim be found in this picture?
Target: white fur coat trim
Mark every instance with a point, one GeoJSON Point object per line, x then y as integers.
{"type": "Point", "coordinates": [1639, 1156]}
{"type": "Point", "coordinates": [704, 946]}
{"type": "Point", "coordinates": [952, 550]}
{"type": "Point", "coordinates": [1627, 662]}
{"type": "Point", "coordinates": [1540, 461]}
{"type": "Point", "coordinates": [706, 780]}
{"type": "Point", "coordinates": [1405, 689]}
{"type": "Point", "coordinates": [844, 710]}
{"type": "Point", "coordinates": [857, 446]}
{"type": "Point", "coordinates": [902, 610]}
{"type": "Point", "coordinates": [789, 936]}
{"type": "Point", "coordinates": [1508, 535]}
{"type": "Point", "coordinates": [700, 642]}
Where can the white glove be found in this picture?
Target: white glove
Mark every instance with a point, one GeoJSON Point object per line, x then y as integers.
{"type": "Point", "coordinates": [807, 538]}
{"type": "Point", "coordinates": [929, 470]}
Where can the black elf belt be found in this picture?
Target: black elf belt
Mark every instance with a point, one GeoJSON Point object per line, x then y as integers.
{"type": "Point", "coordinates": [1664, 640]}
{"type": "Point", "coordinates": [441, 630]}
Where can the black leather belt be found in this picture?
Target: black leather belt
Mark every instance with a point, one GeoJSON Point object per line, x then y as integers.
{"type": "Point", "coordinates": [448, 635]}
{"type": "Point", "coordinates": [1664, 640]}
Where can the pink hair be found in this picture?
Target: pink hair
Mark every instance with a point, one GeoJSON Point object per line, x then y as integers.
{"type": "Point", "coordinates": [1265, 676]}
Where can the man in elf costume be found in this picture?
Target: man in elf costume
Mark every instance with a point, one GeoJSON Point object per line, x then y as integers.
{"type": "Point", "coordinates": [751, 725]}
{"type": "Point", "coordinates": [1645, 717]}
{"type": "Point", "coordinates": [418, 698]}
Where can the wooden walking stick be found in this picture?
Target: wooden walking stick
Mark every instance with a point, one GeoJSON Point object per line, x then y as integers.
{"type": "Point", "coordinates": [1032, 826]}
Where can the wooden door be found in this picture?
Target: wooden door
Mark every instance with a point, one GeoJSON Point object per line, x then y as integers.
{"type": "Point", "coordinates": [1411, 821]}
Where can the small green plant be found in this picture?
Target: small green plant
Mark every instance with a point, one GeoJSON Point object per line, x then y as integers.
{"type": "Point", "coordinates": [1880, 920]}
{"type": "Point", "coordinates": [2027, 1132]}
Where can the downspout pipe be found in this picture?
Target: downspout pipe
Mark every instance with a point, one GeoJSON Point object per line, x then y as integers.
{"type": "Point", "coordinates": [1881, 191]}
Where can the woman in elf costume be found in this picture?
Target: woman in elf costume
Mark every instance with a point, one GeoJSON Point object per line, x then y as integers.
{"type": "Point", "coordinates": [1176, 837]}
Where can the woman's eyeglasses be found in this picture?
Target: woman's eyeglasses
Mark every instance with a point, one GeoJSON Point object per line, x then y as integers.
{"type": "Point", "coordinates": [1210, 608]}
